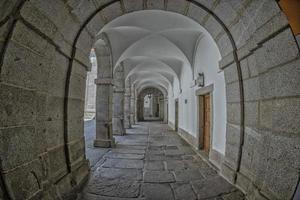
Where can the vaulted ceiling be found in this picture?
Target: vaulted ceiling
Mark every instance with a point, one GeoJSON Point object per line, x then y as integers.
{"type": "Point", "coordinates": [154, 47]}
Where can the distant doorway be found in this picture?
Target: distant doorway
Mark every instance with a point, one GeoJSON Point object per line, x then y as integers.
{"type": "Point", "coordinates": [176, 115]}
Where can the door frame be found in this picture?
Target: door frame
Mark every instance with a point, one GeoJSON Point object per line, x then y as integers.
{"type": "Point", "coordinates": [199, 96]}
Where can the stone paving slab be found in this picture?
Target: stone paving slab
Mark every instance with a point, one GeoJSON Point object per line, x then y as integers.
{"type": "Point", "coordinates": [188, 175]}
{"type": "Point", "coordinates": [175, 165]}
{"type": "Point", "coordinates": [209, 188]}
{"type": "Point", "coordinates": [158, 177]}
{"type": "Point", "coordinates": [157, 191]}
{"type": "Point", "coordinates": [173, 152]}
{"type": "Point", "coordinates": [114, 187]}
{"type": "Point", "coordinates": [237, 195]}
{"type": "Point", "coordinates": [188, 157]}
{"type": "Point", "coordinates": [155, 157]}
{"type": "Point", "coordinates": [171, 147]}
{"type": "Point", "coordinates": [113, 173]}
{"type": "Point", "coordinates": [154, 163]}
{"type": "Point", "coordinates": [136, 137]}
{"type": "Point", "coordinates": [155, 152]}
{"type": "Point", "coordinates": [183, 191]}
{"type": "Point", "coordinates": [156, 147]}
{"type": "Point", "coordinates": [135, 143]}
{"type": "Point", "coordinates": [128, 151]}
{"type": "Point", "coordinates": [123, 146]}
{"type": "Point", "coordinates": [173, 157]}
{"type": "Point", "coordinates": [88, 196]}
{"type": "Point", "coordinates": [203, 167]}
{"type": "Point", "coordinates": [124, 156]}
{"type": "Point", "coordinates": [187, 150]}
{"type": "Point", "coordinates": [123, 163]}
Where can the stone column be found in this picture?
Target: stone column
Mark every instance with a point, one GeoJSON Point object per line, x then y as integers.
{"type": "Point", "coordinates": [166, 114]}
{"type": "Point", "coordinates": [161, 108]}
{"type": "Point", "coordinates": [151, 106]}
{"type": "Point", "coordinates": [154, 105]}
{"type": "Point", "coordinates": [104, 95]}
{"type": "Point", "coordinates": [90, 94]}
{"type": "Point", "coordinates": [132, 106]}
{"type": "Point", "coordinates": [118, 102]}
{"type": "Point", "coordinates": [127, 123]}
{"type": "Point", "coordinates": [136, 109]}
{"type": "Point", "coordinates": [140, 105]}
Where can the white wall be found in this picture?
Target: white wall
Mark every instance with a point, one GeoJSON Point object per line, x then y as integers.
{"type": "Point", "coordinates": [206, 60]}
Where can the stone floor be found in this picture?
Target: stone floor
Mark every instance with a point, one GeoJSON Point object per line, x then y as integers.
{"type": "Point", "coordinates": [152, 162]}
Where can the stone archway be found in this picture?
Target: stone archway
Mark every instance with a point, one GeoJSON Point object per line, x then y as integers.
{"type": "Point", "coordinates": [257, 48]}
{"type": "Point", "coordinates": [104, 94]}
{"type": "Point", "coordinates": [156, 93]}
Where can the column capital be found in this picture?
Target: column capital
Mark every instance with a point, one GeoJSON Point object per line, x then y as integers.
{"type": "Point", "coordinates": [104, 81]}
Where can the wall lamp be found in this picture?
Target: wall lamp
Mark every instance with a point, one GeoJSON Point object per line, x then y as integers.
{"type": "Point", "coordinates": [200, 80]}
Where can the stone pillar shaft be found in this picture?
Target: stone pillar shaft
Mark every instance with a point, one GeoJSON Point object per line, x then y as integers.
{"type": "Point", "coordinates": [132, 110]}
{"type": "Point", "coordinates": [155, 106]}
{"type": "Point", "coordinates": [161, 109]}
{"type": "Point", "coordinates": [135, 110]}
{"type": "Point", "coordinates": [118, 112]}
{"type": "Point", "coordinates": [104, 95]}
{"type": "Point", "coordinates": [132, 105]}
{"type": "Point", "coordinates": [140, 109]}
{"type": "Point", "coordinates": [118, 101]}
{"type": "Point", "coordinates": [127, 123]}
{"type": "Point", "coordinates": [166, 110]}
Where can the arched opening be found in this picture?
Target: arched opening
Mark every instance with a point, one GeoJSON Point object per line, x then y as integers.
{"type": "Point", "coordinates": [151, 105]}
{"type": "Point", "coordinates": [44, 60]}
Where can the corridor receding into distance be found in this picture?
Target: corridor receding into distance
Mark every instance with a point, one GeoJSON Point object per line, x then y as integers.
{"type": "Point", "coordinates": [156, 58]}
{"type": "Point", "coordinates": [152, 162]}
{"type": "Point", "coordinates": [149, 100]}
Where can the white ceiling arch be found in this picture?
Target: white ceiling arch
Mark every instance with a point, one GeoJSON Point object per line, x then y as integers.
{"type": "Point", "coordinates": [151, 81]}
{"type": "Point", "coordinates": [153, 20]}
{"type": "Point", "coordinates": [152, 78]}
{"type": "Point", "coordinates": [156, 47]}
{"type": "Point", "coordinates": [141, 76]}
{"type": "Point", "coordinates": [158, 87]}
{"type": "Point", "coordinates": [156, 44]}
{"type": "Point", "coordinates": [154, 66]}
{"type": "Point", "coordinates": [149, 64]}
{"type": "Point", "coordinates": [149, 74]}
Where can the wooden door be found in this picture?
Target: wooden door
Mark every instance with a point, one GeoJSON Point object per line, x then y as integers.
{"type": "Point", "coordinates": [176, 115]}
{"type": "Point", "coordinates": [206, 122]}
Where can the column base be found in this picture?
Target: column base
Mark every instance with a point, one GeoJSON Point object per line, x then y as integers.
{"type": "Point", "coordinates": [118, 126]}
{"type": "Point", "coordinates": [105, 143]}
{"type": "Point", "coordinates": [119, 133]}
{"type": "Point", "coordinates": [126, 126]}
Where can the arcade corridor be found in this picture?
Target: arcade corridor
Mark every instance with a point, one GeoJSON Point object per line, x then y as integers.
{"type": "Point", "coordinates": [80, 78]}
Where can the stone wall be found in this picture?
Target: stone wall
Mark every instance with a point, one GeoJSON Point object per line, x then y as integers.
{"type": "Point", "coordinates": [41, 136]}
{"type": "Point", "coordinates": [43, 64]}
